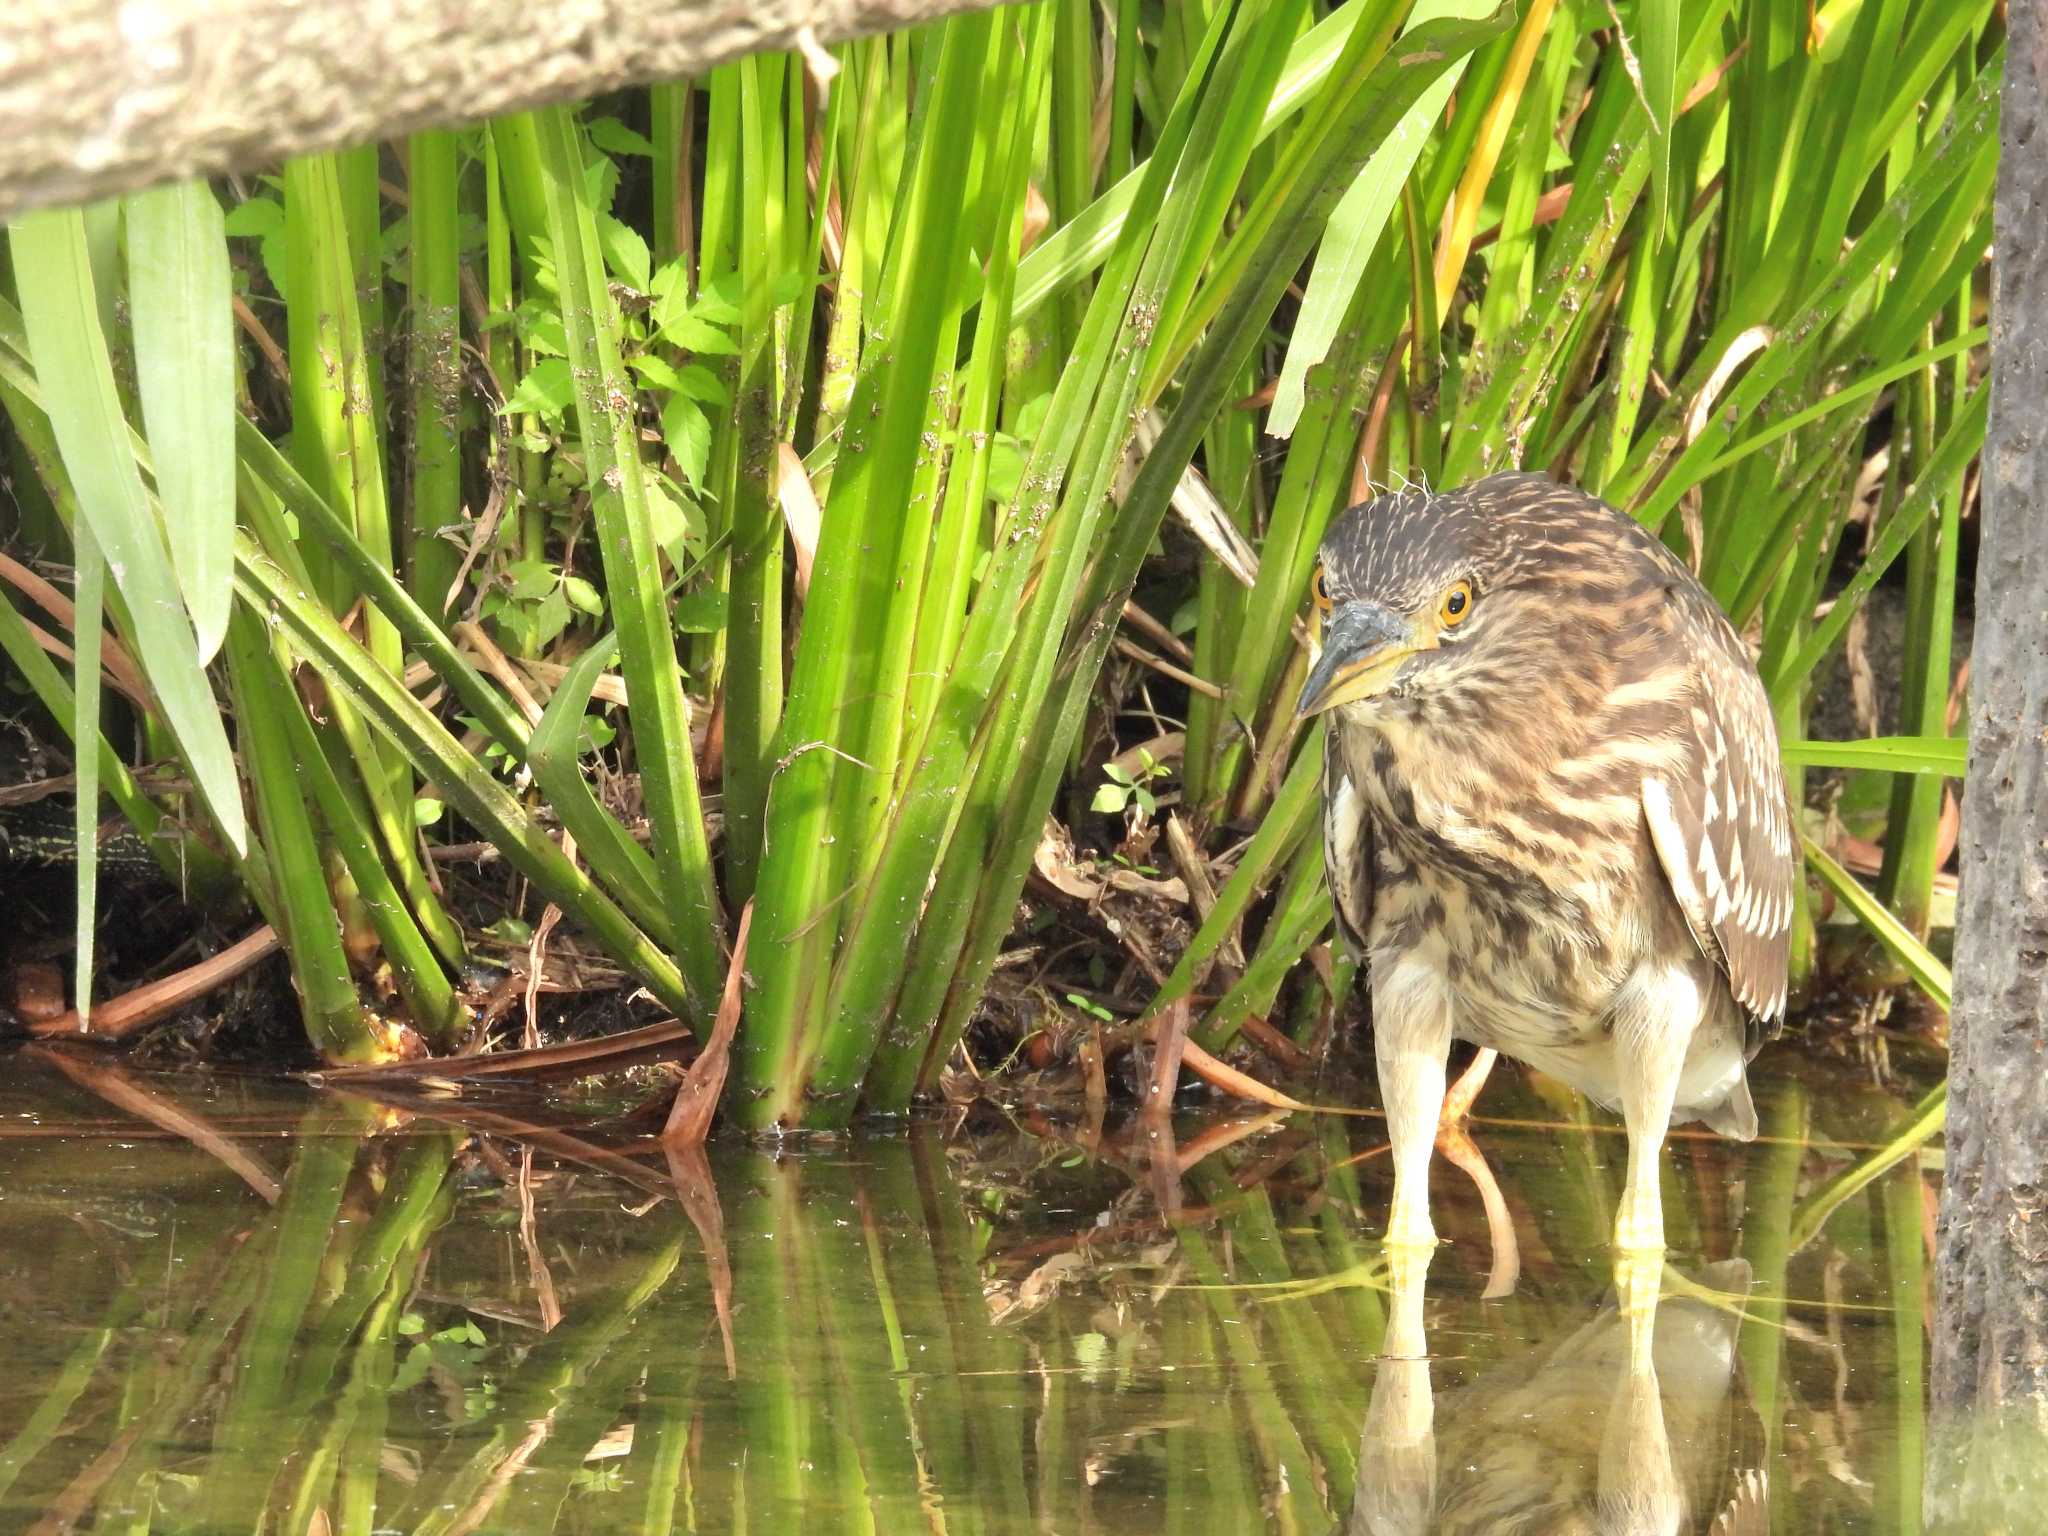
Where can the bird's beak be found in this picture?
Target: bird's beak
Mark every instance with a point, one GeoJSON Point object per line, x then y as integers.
{"type": "Point", "coordinates": [1364, 645]}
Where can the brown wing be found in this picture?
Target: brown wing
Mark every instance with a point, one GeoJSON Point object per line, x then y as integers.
{"type": "Point", "coordinates": [1347, 849]}
{"type": "Point", "coordinates": [1722, 824]}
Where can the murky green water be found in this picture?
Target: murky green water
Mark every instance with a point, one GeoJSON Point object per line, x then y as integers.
{"type": "Point", "coordinates": [229, 1305]}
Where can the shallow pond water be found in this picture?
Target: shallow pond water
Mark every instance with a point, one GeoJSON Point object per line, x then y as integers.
{"type": "Point", "coordinates": [234, 1304]}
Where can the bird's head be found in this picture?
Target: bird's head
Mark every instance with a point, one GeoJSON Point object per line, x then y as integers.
{"type": "Point", "coordinates": [1411, 591]}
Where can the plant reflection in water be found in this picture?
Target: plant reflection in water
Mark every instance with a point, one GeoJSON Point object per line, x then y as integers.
{"type": "Point", "coordinates": [231, 1306]}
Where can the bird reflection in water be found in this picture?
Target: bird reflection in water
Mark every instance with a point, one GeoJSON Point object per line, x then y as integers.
{"type": "Point", "coordinates": [1627, 1427]}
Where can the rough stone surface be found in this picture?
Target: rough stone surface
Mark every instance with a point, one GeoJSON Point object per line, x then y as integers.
{"type": "Point", "coordinates": [1991, 1329]}
{"type": "Point", "coordinates": [105, 96]}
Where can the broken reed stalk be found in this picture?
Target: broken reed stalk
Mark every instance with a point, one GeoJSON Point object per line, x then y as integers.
{"type": "Point", "coordinates": [697, 1100]}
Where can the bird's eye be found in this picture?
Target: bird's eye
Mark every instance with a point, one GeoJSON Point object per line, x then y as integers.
{"type": "Point", "coordinates": [1456, 605]}
{"type": "Point", "coordinates": [1320, 591]}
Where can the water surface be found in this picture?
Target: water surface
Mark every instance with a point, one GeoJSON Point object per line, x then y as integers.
{"type": "Point", "coordinates": [233, 1304]}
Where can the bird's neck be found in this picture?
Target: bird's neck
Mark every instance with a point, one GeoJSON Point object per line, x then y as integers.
{"type": "Point", "coordinates": [1428, 763]}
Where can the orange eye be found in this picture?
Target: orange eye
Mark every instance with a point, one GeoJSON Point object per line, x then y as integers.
{"type": "Point", "coordinates": [1456, 604]}
{"type": "Point", "coordinates": [1320, 591]}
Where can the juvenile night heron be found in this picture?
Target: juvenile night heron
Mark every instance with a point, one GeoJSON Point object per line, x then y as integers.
{"type": "Point", "coordinates": [1554, 817]}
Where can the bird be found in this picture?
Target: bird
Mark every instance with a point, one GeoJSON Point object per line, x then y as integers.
{"type": "Point", "coordinates": [1555, 822]}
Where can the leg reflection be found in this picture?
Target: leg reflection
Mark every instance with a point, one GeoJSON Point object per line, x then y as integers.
{"type": "Point", "coordinates": [1396, 1489]}
{"type": "Point", "coordinates": [1624, 1427]}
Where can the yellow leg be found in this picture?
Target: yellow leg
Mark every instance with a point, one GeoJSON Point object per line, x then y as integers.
{"type": "Point", "coordinates": [1411, 1039]}
{"type": "Point", "coordinates": [1463, 1153]}
{"type": "Point", "coordinates": [1650, 1042]}
{"type": "Point", "coordinates": [1638, 1283]}
{"type": "Point", "coordinates": [1639, 1225]}
{"type": "Point", "coordinates": [1458, 1101]}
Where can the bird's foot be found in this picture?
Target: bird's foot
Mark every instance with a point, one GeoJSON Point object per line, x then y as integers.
{"type": "Point", "coordinates": [1638, 1280]}
{"type": "Point", "coordinates": [1639, 1231]}
{"type": "Point", "coordinates": [1638, 1276]}
{"type": "Point", "coordinates": [1408, 1268]}
{"type": "Point", "coordinates": [1408, 1227]}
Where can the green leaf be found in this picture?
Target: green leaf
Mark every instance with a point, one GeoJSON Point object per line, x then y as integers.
{"type": "Point", "coordinates": [1946, 755]}
{"type": "Point", "coordinates": [547, 390]}
{"type": "Point", "coordinates": [1920, 963]}
{"type": "Point", "coordinates": [262, 220]}
{"type": "Point", "coordinates": [693, 333]}
{"type": "Point", "coordinates": [600, 184]}
{"type": "Point", "coordinates": [699, 325]}
{"type": "Point", "coordinates": [531, 579]}
{"type": "Point", "coordinates": [699, 613]}
{"type": "Point", "coordinates": [702, 385]}
{"type": "Point", "coordinates": [1109, 798]}
{"type": "Point", "coordinates": [1657, 54]}
{"type": "Point", "coordinates": [180, 297]}
{"type": "Point", "coordinates": [615, 138]}
{"type": "Point", "coordinates": [718, 299]}
{"type": "Point", "coordinates": [77, 381]}
{"type": "Point", "coordinates": [1354, 231]}
{"type": "Point", "coordinates": [625, 253]}
{"type": "Point", "coordinates": [693, 380]}
{"type": "Point", "coordinates": [540, 327]}
{"type": "Point", "coordinates": [550, 618]}
{"type": "Point", "coordinates": [89, 594]}
{"type": "Point", "coordinates": [657, 372]}
{"type": "Point", "coordinates": [582, 595]}
{"type": "Point", "coordinates": [1005, 468]}
{"type": "Point", "coordinates": [687, 431]}
{"type": "Point", "coordinates": [677, 528]}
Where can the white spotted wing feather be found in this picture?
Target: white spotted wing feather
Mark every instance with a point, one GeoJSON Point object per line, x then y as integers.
{"type": "Point", "coordinates": [1722, 824]}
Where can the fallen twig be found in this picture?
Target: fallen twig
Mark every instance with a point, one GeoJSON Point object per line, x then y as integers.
{"type": "Point", "coordinates": [578, 1058]}
{"type": "Point", "coordinates": [158, 999]}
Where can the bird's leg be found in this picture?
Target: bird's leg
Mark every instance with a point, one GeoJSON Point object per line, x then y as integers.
{"type": "Point", "coordinates": [1411, 1039]}
{"type": "Point", "coordinates": [1464, 1154]}
{"type": "Point", "coordinates": [1458, 1101]}
{"type": "Point", "coordinates": [1653, 1027]}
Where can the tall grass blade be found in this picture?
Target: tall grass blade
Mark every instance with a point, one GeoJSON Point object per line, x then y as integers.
{"type": "Point", "coordinates": [88, 593]}
{"type": "Point", "coordinates": [1945, 755]}
{"type": "Point", "coordinates": [1657, 37]}
{"type": "Point", "coordinates": [434, 366]}
{"type": "Point", "coordinates": [1962, 442]}
{"type": "Point", "coordinates": [632, 557]}
{"type": "Point", "coordinates": [1356, 226]}
{"type": "Point", "coordinates": [1932, 976]}
{"type": "Point", "coordinates": [179, 300]}
{"type": "Point", "coordinates": [336, 1022]}
{"type": "Point", "coordinates": [1371, 90]}
{"type": "Point", "coordinates": [315, 635]}
{"type": "Point", "coordinates": [69, 351]}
